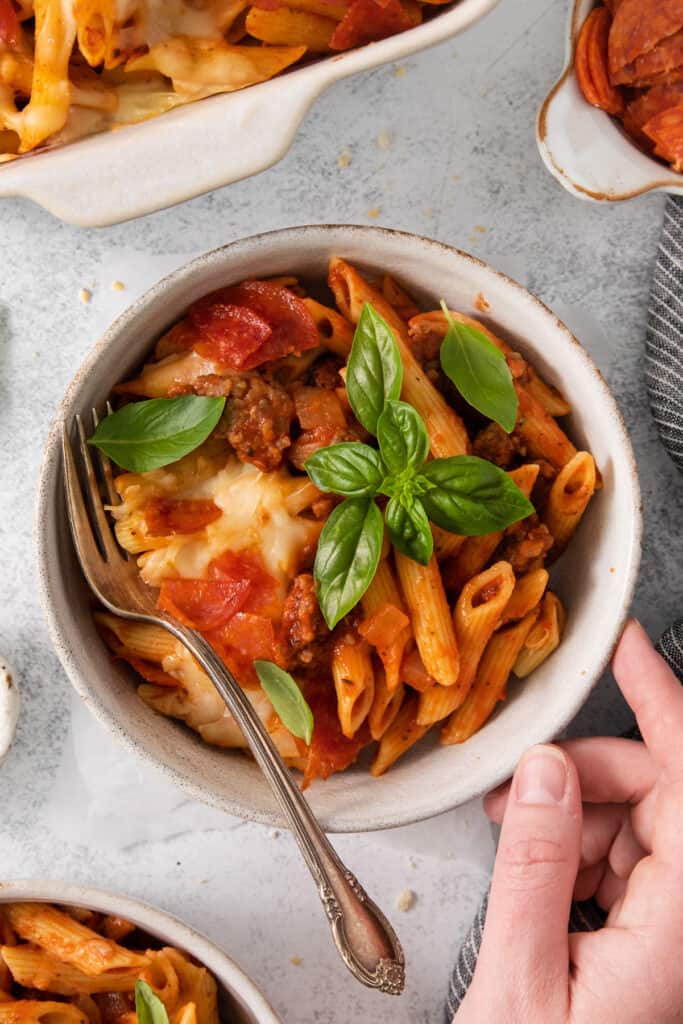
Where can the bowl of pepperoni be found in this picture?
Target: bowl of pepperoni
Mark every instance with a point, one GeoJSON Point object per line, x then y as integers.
{"type": "Point", "coordinates": [389, 488]}
{"type": "Point", "coordinates": [611, 127]}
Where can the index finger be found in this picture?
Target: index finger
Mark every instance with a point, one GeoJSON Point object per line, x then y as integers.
{"type": "Point", "coordinates": [655, 695]}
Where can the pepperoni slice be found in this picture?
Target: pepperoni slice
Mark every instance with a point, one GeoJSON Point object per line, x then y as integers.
{"type": "Point", "coordinates": [203, 604]}
{"type": "Point", "coordinates": [367, 21]}
{"type": "Point", "coordinates": [666, 131]}
{"type": "Point", "coordinates": [656, 66]}
{"type": "Point", "coordinates": [166, 516]}
{"type": "Point", "coordinates": [273, 323]}
{"type": "Point", "coordinates": [242, 640]}
{"type": "Point", "coordinates": [652, 102]}
{"type": "Point", "coordinates": [10, 29]}
{"type": "Point", "coordinates": [330, 751]}
{"type": "Point", "coordinates": [637, 28]}
{"type": "Point", "coordinates": [591, 63]}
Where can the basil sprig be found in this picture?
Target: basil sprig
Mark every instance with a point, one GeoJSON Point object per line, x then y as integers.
{"type": "Point", "coordinates": [148, 1006]}
{"type": "Point", "coordinates": [289, 703]}
{"type": "Point", "coordinates": [479, 371]}
{"type": "Point", "coordinates": [463, 494]}
{"type": "Point", "coordinates": [151, 434]}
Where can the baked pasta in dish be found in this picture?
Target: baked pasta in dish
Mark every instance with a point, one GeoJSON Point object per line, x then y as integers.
{"type": "Point", "coordinates": [369, 512]}
{"type": "Point", "coordinates": [70, 965]}
{"type": "Point", "coordinates": [69, 68]}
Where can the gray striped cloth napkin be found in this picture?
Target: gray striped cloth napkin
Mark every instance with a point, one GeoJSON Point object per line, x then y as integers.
{"type": "Point", "coordinates": [664, 380]}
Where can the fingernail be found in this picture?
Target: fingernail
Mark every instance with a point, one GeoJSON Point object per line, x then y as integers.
{"type": "Point", "coordinates": [542, 776]}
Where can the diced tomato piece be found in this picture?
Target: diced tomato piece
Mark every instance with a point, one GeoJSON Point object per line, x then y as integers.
{"type": "Point", "coordinates": [666, 131]}
{"type": "Point", "coordinates": [367, 21]}
{"type": "Point", "coordinates": [203, 604]}
{"type": "Point", "coordinates": [415, 674]}
{"type": "Point", "coordinates": [166, 516]}
{"type": "Point", "coordinates": [148, 670]}
{"type": "Point", "coordinates": [271, 323]}
{"type": "Point", "coordinates": [248, 565]}
{"type": "Point", "coordinates": [330, 751]}
{"type": "Point", "coordinates": [388, 631]}
{"type": "Point", "coordinates": [10, 29]}
{"type": "Point", "coordinates": [243, 640]}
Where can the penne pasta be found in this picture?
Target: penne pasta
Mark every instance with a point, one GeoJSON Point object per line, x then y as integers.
{"type": "Point", "coordinates": [568, 498]}
{"type": "Point", "coordinates": [385, 705]}
{"type": "Point", "coordinates": [529, 590]}
{"type": "Point", "coordinates": [402, 734]}
{"type": "Point", "coordinates": [543, 638]}
{"type": "Point", "coordinates": [33, 968]}
{"type": "Point", "coordinates": [284, 26]}
{"type": "Point", "coordinates": [446, 544]}
{"type": "Point", "coordinates": [354, 681]}
{"type": "Point", "coordinates": [478, 611]}
{"type": "Point", "coordinates": [398, 298]}
{"type": "Point", "coordinates": [386, 626]}
{"type": "Point", "coordinates": [491, 679]}
{"type": "Point", "coordinates": [542, 435]}
{"type": "Point", "coordinates": [31, 1011]}
{"type": "Point", "coordinates": [334, 331]}
{"type": "Point", "coordinates": [431, 618]}
{"type": "Point", "coordinates": [182, 982]}
{"type": "Point", "coordinates": [141, 639]}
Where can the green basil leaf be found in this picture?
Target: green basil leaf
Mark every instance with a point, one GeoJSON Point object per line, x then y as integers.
{"type": "Point", "coordinates": [350, 468]}
{"type": "Point", "coordinates": [148, 1006]}
{"type": "Point", "coordinates": [479, 371]}
{"type": "Point", "coordinates": [348, 553]}
{"type": "Point", "coordinates": [471, 496]}
{"type": "Point", "coordinates": [289, 702]}
{"type": "Point", "coordinates": [402, 436]}
{"type": "Point", "coordinates": [374, 372]}
{"type": "Point", "coordinates": [147, 435]}
{"type": "Point", "coordinates": [409, 529]}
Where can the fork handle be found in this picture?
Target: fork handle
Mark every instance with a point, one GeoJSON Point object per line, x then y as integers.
{"type": "Point", "coordinates": [364, 938]}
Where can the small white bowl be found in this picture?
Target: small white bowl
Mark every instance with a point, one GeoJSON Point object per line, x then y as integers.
{"type": "Point", "coordinates": [596, 580]}
{"type": "Point", "coordinates": [587, 150]}
{"type": "Point", "coordinates": [238, 998]}
{"type": "Point", "coordinates": [145, 167]}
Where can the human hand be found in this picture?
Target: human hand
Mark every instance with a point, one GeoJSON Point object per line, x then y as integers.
{"type": "Point", "coordinates": [624, 847]}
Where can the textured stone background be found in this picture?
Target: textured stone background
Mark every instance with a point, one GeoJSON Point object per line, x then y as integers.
{"type": "Point", "coordinates": [461, 166]}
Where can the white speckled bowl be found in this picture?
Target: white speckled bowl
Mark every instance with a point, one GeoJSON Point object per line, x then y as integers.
{"type": "Point", "coordinates": [206, 144]}
{"type": "Point", "coordinates": [587, 150]}
{"type": "Point", "coordinates": [240, 1001]}
{"type": "Point", "coordinates": [596, 581]}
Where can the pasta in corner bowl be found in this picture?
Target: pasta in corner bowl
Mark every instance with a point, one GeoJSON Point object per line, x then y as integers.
{"type": "Point", "coordinates": [443, 594]}
{"type": "Point", "coordinates": [68, 954]}
{"type": "Point", "coordinates": [142, 165]}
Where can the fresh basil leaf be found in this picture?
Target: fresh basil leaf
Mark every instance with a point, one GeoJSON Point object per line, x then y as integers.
{"type": "Point", "coordinates": [289, 702]}
{"type": "Point", "coordinates": [350, 468]}
{"type": "Point", "coordinates": [479, 371]}
{"type": "Point", "coordinates": [374, 372]}
{"type": "Point", "coordinates": [409, 528]}
{"type": "Point", "coordinates": [348, 553]}
{"type": "Point", "coordinates": [147, 435]}
{"type": "Point", "coordinates": [402, 436]}
{"type": "Point", "coordinates": [471, 496]}
{"type": "Point", "coordinates": [148, 1006]}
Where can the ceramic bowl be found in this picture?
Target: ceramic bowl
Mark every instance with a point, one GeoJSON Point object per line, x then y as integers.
{"type": "Point", "coordinates": [596, 582]}
{"type": "Point", "coordinates": [145, 167]}
{"type": "Point", "coordinates": [239, 999]}
{"type": "Point", "coordinates": [587, 150]}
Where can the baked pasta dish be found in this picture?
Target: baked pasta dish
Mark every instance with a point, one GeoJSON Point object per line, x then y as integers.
{"type": "Point", "coordinates": [69, 965]}
{"type": "Point", "coordinates": [69, 68]}
{"type": "Point", "coordinates": [357, 504]}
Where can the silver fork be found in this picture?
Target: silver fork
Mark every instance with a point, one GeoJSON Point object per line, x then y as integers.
{"type": "Point", "coordinates": [364, 938]}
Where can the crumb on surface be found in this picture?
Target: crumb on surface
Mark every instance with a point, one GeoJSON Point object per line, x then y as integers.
{"type": "Point", "coordinates": [274, 833]}
{"type": "Point", "coordinates": [344, 158]}
{"type": "Point", "coordinates": [384, 140]}
{"type": "Point", "coordinates": [373, 213]}
{"type": "Point", "coordinates": [85, 295]}
{"type": "Point", "coordinates": [400, 70]}
{"type": "Point", "coordinates": [456, 177]}
{"type": "Point", "coordinates": [428, 211]}
{"type": "Point", "coordinates": [480, 229]}
{"type": "Point", "coordinates": [481, 303]}
{"type": "Point", "coordinates": [612, 568]}
{"type": "Point", "coordinates": [117, 286]}
{"type": "Point", "coordinates": [296, 960]}
{"type": "Point", "coordinates": [405, 900]}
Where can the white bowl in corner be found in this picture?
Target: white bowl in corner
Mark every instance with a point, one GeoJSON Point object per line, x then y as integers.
{"type": "Point", "coordinates": [596, 583]}
{"type": "Point", "coordinates": [587, 150]}
{"type": "Point", "coordinates": [146, 167]}
{"type": "Point", "coordinates": [238, 998]}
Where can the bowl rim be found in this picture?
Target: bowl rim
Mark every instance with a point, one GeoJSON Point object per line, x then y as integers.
{"type": "Point", "coordinates": [671, 183]}
{"type": "Point", "coordinates": [52, 455]}
{"type": "Point", "coordinates": [159, 922]}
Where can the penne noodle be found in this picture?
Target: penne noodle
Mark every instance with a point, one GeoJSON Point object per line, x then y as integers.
{"type": "Point", "coordinates": [301, 496]}
{"type": "Point", "coordinates": [354, 681]}
{"type": "Point", "coordinates": [401, 735]}
{"type": "Point", "coordinates": [543, 638]}
{"type": "Point", "coordinates": [541, 434]}
{"type": "Point", "coordinates": [334, 331]}
{"type": "Point", "coordinates": [66, 939]}
{"type": "Point", "coordinates": [31, 1011]}
{"type": "Point", "coordinates": [286, 27]}
{"type": "Point", "coordinates": [5, 980]}
{"type": "Point", "coordinates": [447, 433]}
{"type": "Point", "coordinates": [398, 298]}
{"type": "Point", "coordinates": [187, 1014]}
{"type": "Point", "coordinates": [430, 615]}
{"type": "Point", "coordinates": [477, 613]}
{"type": "Point", "coordinates": [33, 968]}
{"type": "Point", "coordinates": [529, 590]}
{"type": "Point", "coordinates": [141, 639]}
{"type": "Point", "coordinates": [414, 674]}
{"type": "Point", "coordinates": [386, 625]}
{"type": "Point", "coordinates": [327, 8]}
{"type": "Point", "coordinates": [489, 686]}
{"type": "Point", "coordinates": [182, 982]}
{"type": "Point", "coordinates": [446, 544]}
{"type": "Point", "coordinates": [157, 379]}
{"type": "Point", "coordinates": [385, 706]}
{"type": "Point", "coordinates": [568, 498]}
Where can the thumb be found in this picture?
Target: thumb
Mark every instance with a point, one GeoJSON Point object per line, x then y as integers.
{"type": "Point", "coordinates": [525, 945]}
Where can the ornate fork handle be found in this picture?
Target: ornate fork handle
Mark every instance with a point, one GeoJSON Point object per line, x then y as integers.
{"type": "Point", "coordinates": [366, 941]}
